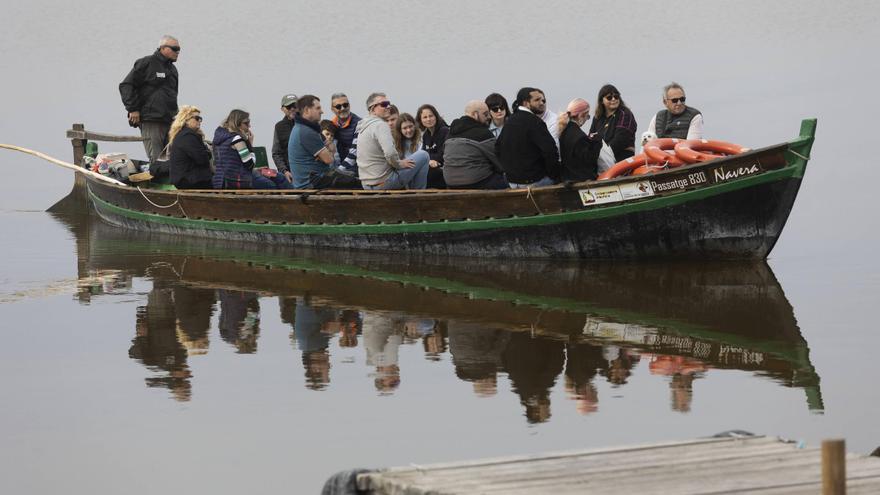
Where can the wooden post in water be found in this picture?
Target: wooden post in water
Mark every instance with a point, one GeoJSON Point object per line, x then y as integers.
{"type": "Point", "coordinates": [834, 467]}
{"type": "Point", "coordinates": [79, 145]}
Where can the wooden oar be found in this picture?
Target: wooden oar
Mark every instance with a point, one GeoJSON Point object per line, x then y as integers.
{"type": "Point", "coordinates": [61, 163]}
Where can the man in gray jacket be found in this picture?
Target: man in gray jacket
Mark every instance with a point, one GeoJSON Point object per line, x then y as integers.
{"type": "Point", "coordinates": [469, 155]}
{"type": "Point", "coordinates": [379, 165]}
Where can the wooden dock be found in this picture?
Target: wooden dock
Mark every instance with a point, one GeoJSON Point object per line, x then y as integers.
{"type": "Point", "coordinates": [748, 464]}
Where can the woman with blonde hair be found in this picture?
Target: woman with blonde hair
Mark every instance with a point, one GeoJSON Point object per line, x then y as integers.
{"type": "Point", "coordinates": [190, 159]}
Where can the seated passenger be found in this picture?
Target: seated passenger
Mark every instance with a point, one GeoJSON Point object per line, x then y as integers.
{"type": "Point", "coordinates": [408, 139]}
{"type": "Point", "coordinates": [234, 156]}
{"type": "Point", "coordinates": [614, 123]}
{"type": "Point", "coordinates": [578, 152]}
{"type": "Point", "coordinates": [434, 132]}
{"type": "Point", "coordinates": [379, 165]}
{"type": "Point", "coordinates": [309, 154]}
{"type": "Point", "coordinates": [500, 112]}
{"type": "Point", "coordinates": [677, 120]}
{"type": "Point", "coordinates": [525, 147]}
{"type": "Point", "coordinates": [469, 160]}
{"type": "Point", "coordinates": [328, 132]}
{"type": "Point", "coordinates": [281, 136]}
{"type": "Point", "coordinates": [190, 160]}
{"type": "Point", "coordinates": [393, 115]}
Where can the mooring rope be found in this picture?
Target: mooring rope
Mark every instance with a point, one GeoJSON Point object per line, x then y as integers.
{"type": "Point", "coordinates": [176, 202]}
{"type": "Point", "coordinates": [529, 195]}
{"type": "Point", "coordinates": [56, 161]}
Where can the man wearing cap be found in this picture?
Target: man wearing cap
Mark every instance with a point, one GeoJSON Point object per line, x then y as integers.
{"type": "Point", "coordinates": [578, 152]}
{"type": "Point", "coordinates": [281, 137]}
{"type": "Point", "coordinates": [677, 120]}
{"type": "Point", "coordinates": [149, 93]}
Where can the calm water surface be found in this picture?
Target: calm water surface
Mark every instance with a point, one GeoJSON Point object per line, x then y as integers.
{"type": "Point", "coordinates": [153, 364]}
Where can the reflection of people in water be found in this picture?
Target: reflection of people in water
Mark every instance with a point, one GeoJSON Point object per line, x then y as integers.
{"type": "Point", "coordinates": [432, 333]}
{"type": "Point", "coordinates": [239, 319]}
{"type": "Point", "coordinates": [156, 346]}
{"type": "Point", "coordinates": [194, 308]}
{"type": "Point", "coordinates": [682, 372]}
{"type": "Point", "coordinates": [476, 353]}
{"type": "Point", "coordinates": [383, 334]}
{"type": "Point", "coordinates": [312, 329]}
{"type": "Point", "coordinates": [621, 362]}
{"type": "Point", "coordinates": [533, 365]}
{"type": "Point", "coordinates": [583, 362]}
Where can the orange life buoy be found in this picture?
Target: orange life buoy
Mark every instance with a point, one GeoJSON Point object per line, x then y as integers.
{"type": "Point", "coordinates": [624, 166]}
{"type": "Point", "coordinates": [649, 169]}
{"type": "Point", "coordinates": [656, 151]}
{"type": "Point", "coordinates": [690, 150]}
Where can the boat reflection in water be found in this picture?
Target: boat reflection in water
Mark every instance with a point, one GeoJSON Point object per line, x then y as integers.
{"type": "Point", "coordinates": [534, 322]}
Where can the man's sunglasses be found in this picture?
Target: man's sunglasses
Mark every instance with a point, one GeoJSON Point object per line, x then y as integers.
{"type": "Point", "coordinates": [174, 49]}
{"type": "Point", "coordinates": [677, 100]}
{"type": "Point", "coordinates": [383, 104]}
{"type": "Point", "coordinates": [340, 106]}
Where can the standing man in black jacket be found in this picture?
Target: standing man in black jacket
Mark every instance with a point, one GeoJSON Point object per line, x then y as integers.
{"type": "Point", "coordinates": [149, 93]}
{"type": "Point", "coordinates": [525, 147]}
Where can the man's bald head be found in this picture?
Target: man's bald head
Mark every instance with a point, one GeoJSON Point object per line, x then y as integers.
{"type": "Point", "coordinates": [478, 110]}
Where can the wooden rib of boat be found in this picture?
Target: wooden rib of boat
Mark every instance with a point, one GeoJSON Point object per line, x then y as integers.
{"type": "Point", "coordinates": [729, 208]}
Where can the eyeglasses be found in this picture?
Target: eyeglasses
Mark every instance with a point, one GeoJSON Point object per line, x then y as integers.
{"type": "Point", "coordinates": [291, 106]}
{"type": "Point", "coordinates": [612, 96]}
{"type": "Point", "coordinates": [197, 117]}
{"type": "Point", "coordinates": [677, 100]}
{"type": "Point", "coordinates": [246, 122]}
{"type": "Point", "coordinates": [496, 109]}
{"type": "Point", "coordinates": [340, 106]}
{"type": "Point", "coordinates": [174, 49]}
{"type": "Point", "coordinates": [383, 104]}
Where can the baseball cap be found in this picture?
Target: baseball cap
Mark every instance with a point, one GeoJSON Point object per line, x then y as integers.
{"type": "Point", "coordinates": [288, 100]}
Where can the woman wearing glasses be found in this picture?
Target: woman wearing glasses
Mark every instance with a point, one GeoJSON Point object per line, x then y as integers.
{"type": "Point", "coordinates": [499, 111]}
{"type": "Point", "coordinates": [614, 123]}
{"type": "Point", "coordinates": [190, 160]}
{"type": "Point", "coordinates": [434, 132]}
{"type": "Point", "coordinates": [235, 158]}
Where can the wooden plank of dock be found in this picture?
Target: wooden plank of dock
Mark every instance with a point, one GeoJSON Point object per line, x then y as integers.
{"type": "Point", "coordinates": [752, 464]}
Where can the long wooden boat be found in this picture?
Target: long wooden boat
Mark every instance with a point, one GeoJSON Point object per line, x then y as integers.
{"type": "Point", "coordinates": [729, 208]}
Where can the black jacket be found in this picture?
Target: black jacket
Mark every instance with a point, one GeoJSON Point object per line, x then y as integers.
{"type": "Point", "coordinates": [151, 89]}
{"type": "Point", "coordinates": [433, 144]}
{"type": "Point", "coordinates": [526, 149]}
{"type": "Point", "coordinates": [579, 154]}
{"type": "Point", "coordinates": [190, 160]}
{"type": "Point", "coordinates": [280, 140]}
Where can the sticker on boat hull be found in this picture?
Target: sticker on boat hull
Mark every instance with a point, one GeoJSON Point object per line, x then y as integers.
{"type": "Point", "coordinates": [613, 194]}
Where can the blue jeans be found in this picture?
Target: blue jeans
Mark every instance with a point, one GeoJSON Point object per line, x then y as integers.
{"type": "Point", "coordinates": [408, 178]}
{"type": "Point", "coordinates": [546, 181]}
{"type": "Point", "coordinates": [277, 182]}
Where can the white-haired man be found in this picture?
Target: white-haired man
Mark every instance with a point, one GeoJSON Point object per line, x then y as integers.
{"type": "Point", "coordinates": [677, 120]}
{"type": "Point", "coordinates": [379, 165]}
{"type": "Point", "coordinates": [149, 93]}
